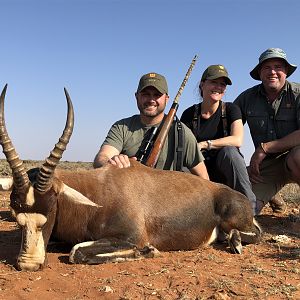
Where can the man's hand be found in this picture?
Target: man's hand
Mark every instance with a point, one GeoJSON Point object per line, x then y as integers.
{"type": "Point", "coordinates": [256, 159]}
{"type": "Point", "coordinates": [120, 160]}
{"type": "Point", "coordinates": [111, 155]}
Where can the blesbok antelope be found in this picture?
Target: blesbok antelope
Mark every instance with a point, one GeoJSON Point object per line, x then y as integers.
{"type": "Point", "coordinates": [117, 214]}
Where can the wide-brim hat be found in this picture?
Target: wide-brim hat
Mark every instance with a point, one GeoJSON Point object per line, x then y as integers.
{"type": "Point", "coordinates": [272, 53]}
{"type": "Point", "coordinates": [153, 79]}
{"type": "Point", "coordinates": [215, 72]}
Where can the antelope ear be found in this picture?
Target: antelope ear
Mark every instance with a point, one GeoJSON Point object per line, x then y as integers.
{"type": "Point", "coordinates": [76, 197]}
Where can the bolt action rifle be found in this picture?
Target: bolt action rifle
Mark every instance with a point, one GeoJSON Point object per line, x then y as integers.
{"type": "Point", "coordinates": [156, 148]}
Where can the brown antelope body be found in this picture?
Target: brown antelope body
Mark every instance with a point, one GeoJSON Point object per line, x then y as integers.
{"type": "Point", "coordinates": [116, 214]}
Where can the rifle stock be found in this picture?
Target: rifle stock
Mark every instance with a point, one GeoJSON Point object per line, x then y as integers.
{"type": "Point", "coordinates": [163, 133]}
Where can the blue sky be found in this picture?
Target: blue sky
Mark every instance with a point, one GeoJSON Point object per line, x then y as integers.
{"type": "Point", "coordinates": [99, 49]}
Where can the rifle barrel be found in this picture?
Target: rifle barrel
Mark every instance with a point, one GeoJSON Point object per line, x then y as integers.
{"type": "Point", "coordinates": [162, 135]}
{"type": "Point", "coordinates": [186, 77]}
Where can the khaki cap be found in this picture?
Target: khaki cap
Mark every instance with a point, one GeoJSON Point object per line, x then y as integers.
{"type": "Point", "coordinates": [214, 72]}
{"type": "Point", "coordinates": [153, 79]}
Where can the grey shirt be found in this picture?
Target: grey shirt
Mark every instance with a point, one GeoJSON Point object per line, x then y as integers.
{"type": "Point", "coordinates": [127, 134]}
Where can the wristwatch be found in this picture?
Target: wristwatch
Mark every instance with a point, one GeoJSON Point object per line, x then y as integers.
{"type": "Point", "coordinates": [209, 144]}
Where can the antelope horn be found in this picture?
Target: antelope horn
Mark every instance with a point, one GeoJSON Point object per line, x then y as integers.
{"type": "Point", "coordinates": [21, 180]}
{"type": "Point", "coordinates": [46, 172]}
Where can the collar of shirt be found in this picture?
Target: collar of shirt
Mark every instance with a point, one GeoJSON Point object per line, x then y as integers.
{"type": "Point", "coordinates": [276, 103]}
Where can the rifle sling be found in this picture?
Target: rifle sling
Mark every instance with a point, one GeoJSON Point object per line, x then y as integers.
{"type": "Point", "coordinates": [178, 147]}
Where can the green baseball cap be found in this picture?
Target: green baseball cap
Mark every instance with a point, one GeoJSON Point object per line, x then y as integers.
{"type": "Point", "coordinates": [272, 53]}
{"type": "Point", "coordinates": [153, 79]}
{"type": "Point", "coordinates": [214, 72]}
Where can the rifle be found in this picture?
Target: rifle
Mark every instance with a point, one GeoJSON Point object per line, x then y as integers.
{"type": "Point", "coordinates": [161, 138]}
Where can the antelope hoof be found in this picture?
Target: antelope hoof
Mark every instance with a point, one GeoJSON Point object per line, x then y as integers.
{"type": "Point", "coordinates": [235, 241]}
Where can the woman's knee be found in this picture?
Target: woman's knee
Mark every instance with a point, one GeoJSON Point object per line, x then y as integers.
{"type": "Point", "coordinates": [230, 152]}
{"type": "Point", "coordinates": [230, 157]}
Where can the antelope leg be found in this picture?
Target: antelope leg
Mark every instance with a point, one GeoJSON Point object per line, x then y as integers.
{"type": "Point", "coordinates": [109, 250]}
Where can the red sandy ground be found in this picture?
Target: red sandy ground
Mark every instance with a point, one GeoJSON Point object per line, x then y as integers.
{"type": "Point", "coordinates": [270, 270]}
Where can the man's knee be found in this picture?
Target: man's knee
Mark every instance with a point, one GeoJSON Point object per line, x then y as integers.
{"type": "Point", "coordinates": [293, 164]}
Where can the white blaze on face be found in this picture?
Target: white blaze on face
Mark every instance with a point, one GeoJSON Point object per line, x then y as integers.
{"type": "Point", "coordinates": [32, 253]}
{"type": "Point", "coordinates": [30, 197]}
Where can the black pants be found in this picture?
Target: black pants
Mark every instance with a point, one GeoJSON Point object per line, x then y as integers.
{"type": "Point", "coordinates": [227, 166]}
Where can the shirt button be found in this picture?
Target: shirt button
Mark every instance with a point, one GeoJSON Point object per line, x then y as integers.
{"type": "Point", "coordinates": [271, 117]}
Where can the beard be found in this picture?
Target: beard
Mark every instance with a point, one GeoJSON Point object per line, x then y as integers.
{"type": "Point", "coordinates": [153, 112]}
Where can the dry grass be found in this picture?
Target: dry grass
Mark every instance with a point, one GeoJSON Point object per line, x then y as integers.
{"type": "Point", "coordinates": [6, 171]}
{"type": "Point", "coordinates": [291, 192]}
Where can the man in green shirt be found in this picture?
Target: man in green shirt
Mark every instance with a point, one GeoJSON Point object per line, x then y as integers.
{"type": "Point", "coordinates": [272, 111]}
{"type": "Point", "coordinates": [125, 137]}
